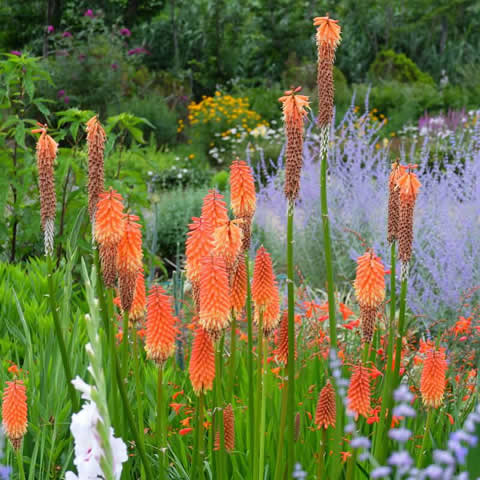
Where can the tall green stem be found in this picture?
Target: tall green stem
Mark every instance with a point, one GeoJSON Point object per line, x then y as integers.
{"type": "Point", "coordinates": [219, 410]}
{"type": "Point", "coordinates": [21, 471]}
{"type": "Point", "coordinates": [281, 433]}
{"type": "Point", "coordinates": [258, 400]}
{"type": "Point", "coordinates": [422, 454]}
{"type": "Point", "coordinates": [321, 456]}
{"type": "Point", "coordinates": [291, 344]}
{"type": "Point", "coordinates": [197, 461]}
{"type": "Point", "coordinates": [233, 351]}
{"type": "Point", "coordinates": [59, 334]}
{"type": "Point", "coordinates": [380, 452]}
{"type": "Point", "coordinates": [261, 456]}
{"type": "Point", "coordinates": [251, 399]}
{"type": "Point", "coordinates": [326, 237]}
{"type": "Point", "coordinates": [138, 387]}
{"type": "Point", "coordinates": [400, 332]}
{"type": "Point", "coordinates": [160, 433]}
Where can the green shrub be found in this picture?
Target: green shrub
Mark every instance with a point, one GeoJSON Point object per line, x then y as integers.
{"type": "Point", "coordinates": [220, 180]}
{"type": "Point", "coordinates": [389, 65]}
{"type": "Point", "coordinates": [155, 109]}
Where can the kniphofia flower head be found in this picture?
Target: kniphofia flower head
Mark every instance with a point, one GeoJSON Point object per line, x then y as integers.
{"type": "Point", "coordinates": [46, 154]}
{"type": "Point", "coordinates": [370, 280]}
{"type": "Point", "coordinates": [294, 111]}
{"type": "Point", "coordinates": [199, 244]}
{"type": "Point", "coordinates": [96, 145]}
{"type": "Point", "coordinates": [214, 295]}
{"type": "Point", "coordinates": [264, 283]}
{"type": "Point", "coordinates": [202, 362]}
{"type": "Point", "coordinates": [137, 310]}
{"type": "Point", "coordinates": [325, 414]}
{"type": "Point", "coordinates": [129, 259]}
{"type": "Point", "coordinates": [281, 352]}
{"type": "Point", "coordinates": [433, 381]}
{"type": "Point", "coordinates": [108, 232]}
{"type": "Point", "coordinates": [228, 242]}
{"type": "Point", "coordinates": [359, 391]}
{"type": "Point", "coordinates": [242, 189]}
{"type": "Point", "coordinates": [228, 430]}
{"type": "Point", "coordinates": [214, 209]}
{"type": "Point", "coordinates": [394, 201]}
{"type": "Point", "coordinates": [271, 313]}
{"type": "Point", "coordinates": [238, 292]}
{"type": "Point", "coordinates": [161, 330]}
{"type": "Point", "coordinates": [14, 412]}
{"type": "Point", "coordinates": [328, 38]}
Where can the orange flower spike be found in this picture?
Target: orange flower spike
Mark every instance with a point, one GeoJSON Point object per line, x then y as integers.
{"type": "Point", "coordinates": [108, 232]}
{"type": "Point", "coordinates": [214, 295]}
{"type": "Point", "coordinates": [359, 391]}
{"type": "Point", "coordinates": [214, 209]}
{"type": "Point", "coordinates": [263, 283]}
{"type": "Point", "coordinates": [129, 260]}
{"type": "Point", "coordinates": [281, 352]}
{"type": "Point", "coordinates": [46, 154]}
{"type": "Point", "coordinates": [328, 38]}
{"type": "Point", "coordinates": [228, 242]}
{"type": "Point", "coordinates": [14, 412]}
{"type": "Point", "coordinates": [228, 430]}
{"type": "Point", "coordinates": [238, 292]}
{"type": "Point", "coordinates": [433, 381]}
{"type": "Point", "coordinates": [199, 244]}
{"type": "Point", "coordinates": [202, 362]}
{"type": "Point", "coordinates": [242, 186]}
{"type": "Point", "coordinates": [409, 186]}
{"type": "Point", "coordinates": [96, 138]}
{"type": "Point", "coordinates": [370, 280]}
{"type": "Point", "coordinates": [294, 108]}
{"type": "Point", "coordinates": [137, 310]}
{"type": "Point", "coordinates": [161, 330]}
{"type": "Point", "coordinates": [325, 414]}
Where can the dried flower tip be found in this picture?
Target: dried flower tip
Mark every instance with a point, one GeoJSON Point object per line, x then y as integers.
{"type": "Point", "coordinates": [326, 412]}
{"type": "Point", "coordinates": [228, 429]}
{"type": "Point", "coordinates": [214, 295]}
{"type": "Point", "coordinates": [433, 381]}
{"type": "Point", "coordinates": [96, 145]}
{"type": "Point", "coordinates": [202, 362]}
{"type": "Point", "coordinates": [394, 202]}
{"type": "Point", "coordinates": [161, 330]}
{"type": "Point", "coordinates": [14, 412]}
{"type": "Point", "coordinates": [368, 316]}
{"type": "Point", "coordinates": [359, 391]}
{"type": "Point", "coordinates": [242, 187]}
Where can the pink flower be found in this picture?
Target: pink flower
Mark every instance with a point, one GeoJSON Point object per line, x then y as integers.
{"type": "Point", "coordinates": [66, 34]}
{"type": "Point", "coordinates": [125, 32]}
{"type": "Point", "coordinates": [16, 52]}
{"type": "Point", "coordinates": [89, 13]}
{"type": "Point", "coordinates": [50, 29]}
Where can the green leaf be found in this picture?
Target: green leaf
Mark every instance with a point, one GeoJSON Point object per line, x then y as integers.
{"type": "Point", "coordinates": [20, 133]}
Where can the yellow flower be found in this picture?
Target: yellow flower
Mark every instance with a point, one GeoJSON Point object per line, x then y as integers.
{"type": "Point", "coordinates": [191, 156]}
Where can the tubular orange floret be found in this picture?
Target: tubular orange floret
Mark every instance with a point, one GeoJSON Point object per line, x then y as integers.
{"type": "Point", "coordinates": [214, 295]}
{"type": "Point", "coordinates": [281, 352]}
{"type": "Point", "coordinates": [199, 244]}
{"type": "Point", "coordinates": [359, 391]}
{"type": "Point", "coordinates": [408, 185]}
{"type": "Point", "coordinates": [271, 314]}
{"type": "Point", "coordinates": [326, 412]}
{"type": "Point", "coordinates": [129, 260]}
{"type": "Point", "coordinates": [228, 429]}
{"type": "Point", "coordinates": [14, 412]}
{"type": "Point", "coordinates": [263, 283]}
{"type": "Point", "coordinates": [294, 111]}
{"type": "Point", "coordinates": [214, 209]}
{"type": "Point", "coordinates": [228, 242]}
{"type": "Point", "coordinates": [328, 38]}
{"type": "Point", "coordinates": [137, 310]}
{"type": "Point", "coordinates": [46, 154]}
{"type": "Point", "coordinates": [96, 144]}
{"type": "Point", "coordinates": [108, 232]}
{"type": "Point", "coordinates": [370, 280]}
{"type": "Point", "coordinates": [238, 292]}
{"type": "Point", "coordinates": [394, 202]}
{"type": "Point", "coordinates": [202, 362]}
{"type": "Point", "coordinates": [160, 325]}
{"type": "Point", "coordinates": [242, 186]}
{"type": "Point", "coordinates": [433, 381]}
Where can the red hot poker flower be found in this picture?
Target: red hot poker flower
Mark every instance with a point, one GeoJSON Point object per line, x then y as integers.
{"type": "Point", "coordinates": [14, 412]}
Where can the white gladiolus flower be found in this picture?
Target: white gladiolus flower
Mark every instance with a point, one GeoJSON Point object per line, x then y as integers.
{"type": "Point", "coordinates": [88, 443]}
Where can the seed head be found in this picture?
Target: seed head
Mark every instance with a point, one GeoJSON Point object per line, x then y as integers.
{"type": "Point", "coordinates": [96, 145]}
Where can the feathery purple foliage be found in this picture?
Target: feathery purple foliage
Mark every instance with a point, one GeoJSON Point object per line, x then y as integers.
{"type": "Point", "coordinates": [446, 263]}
